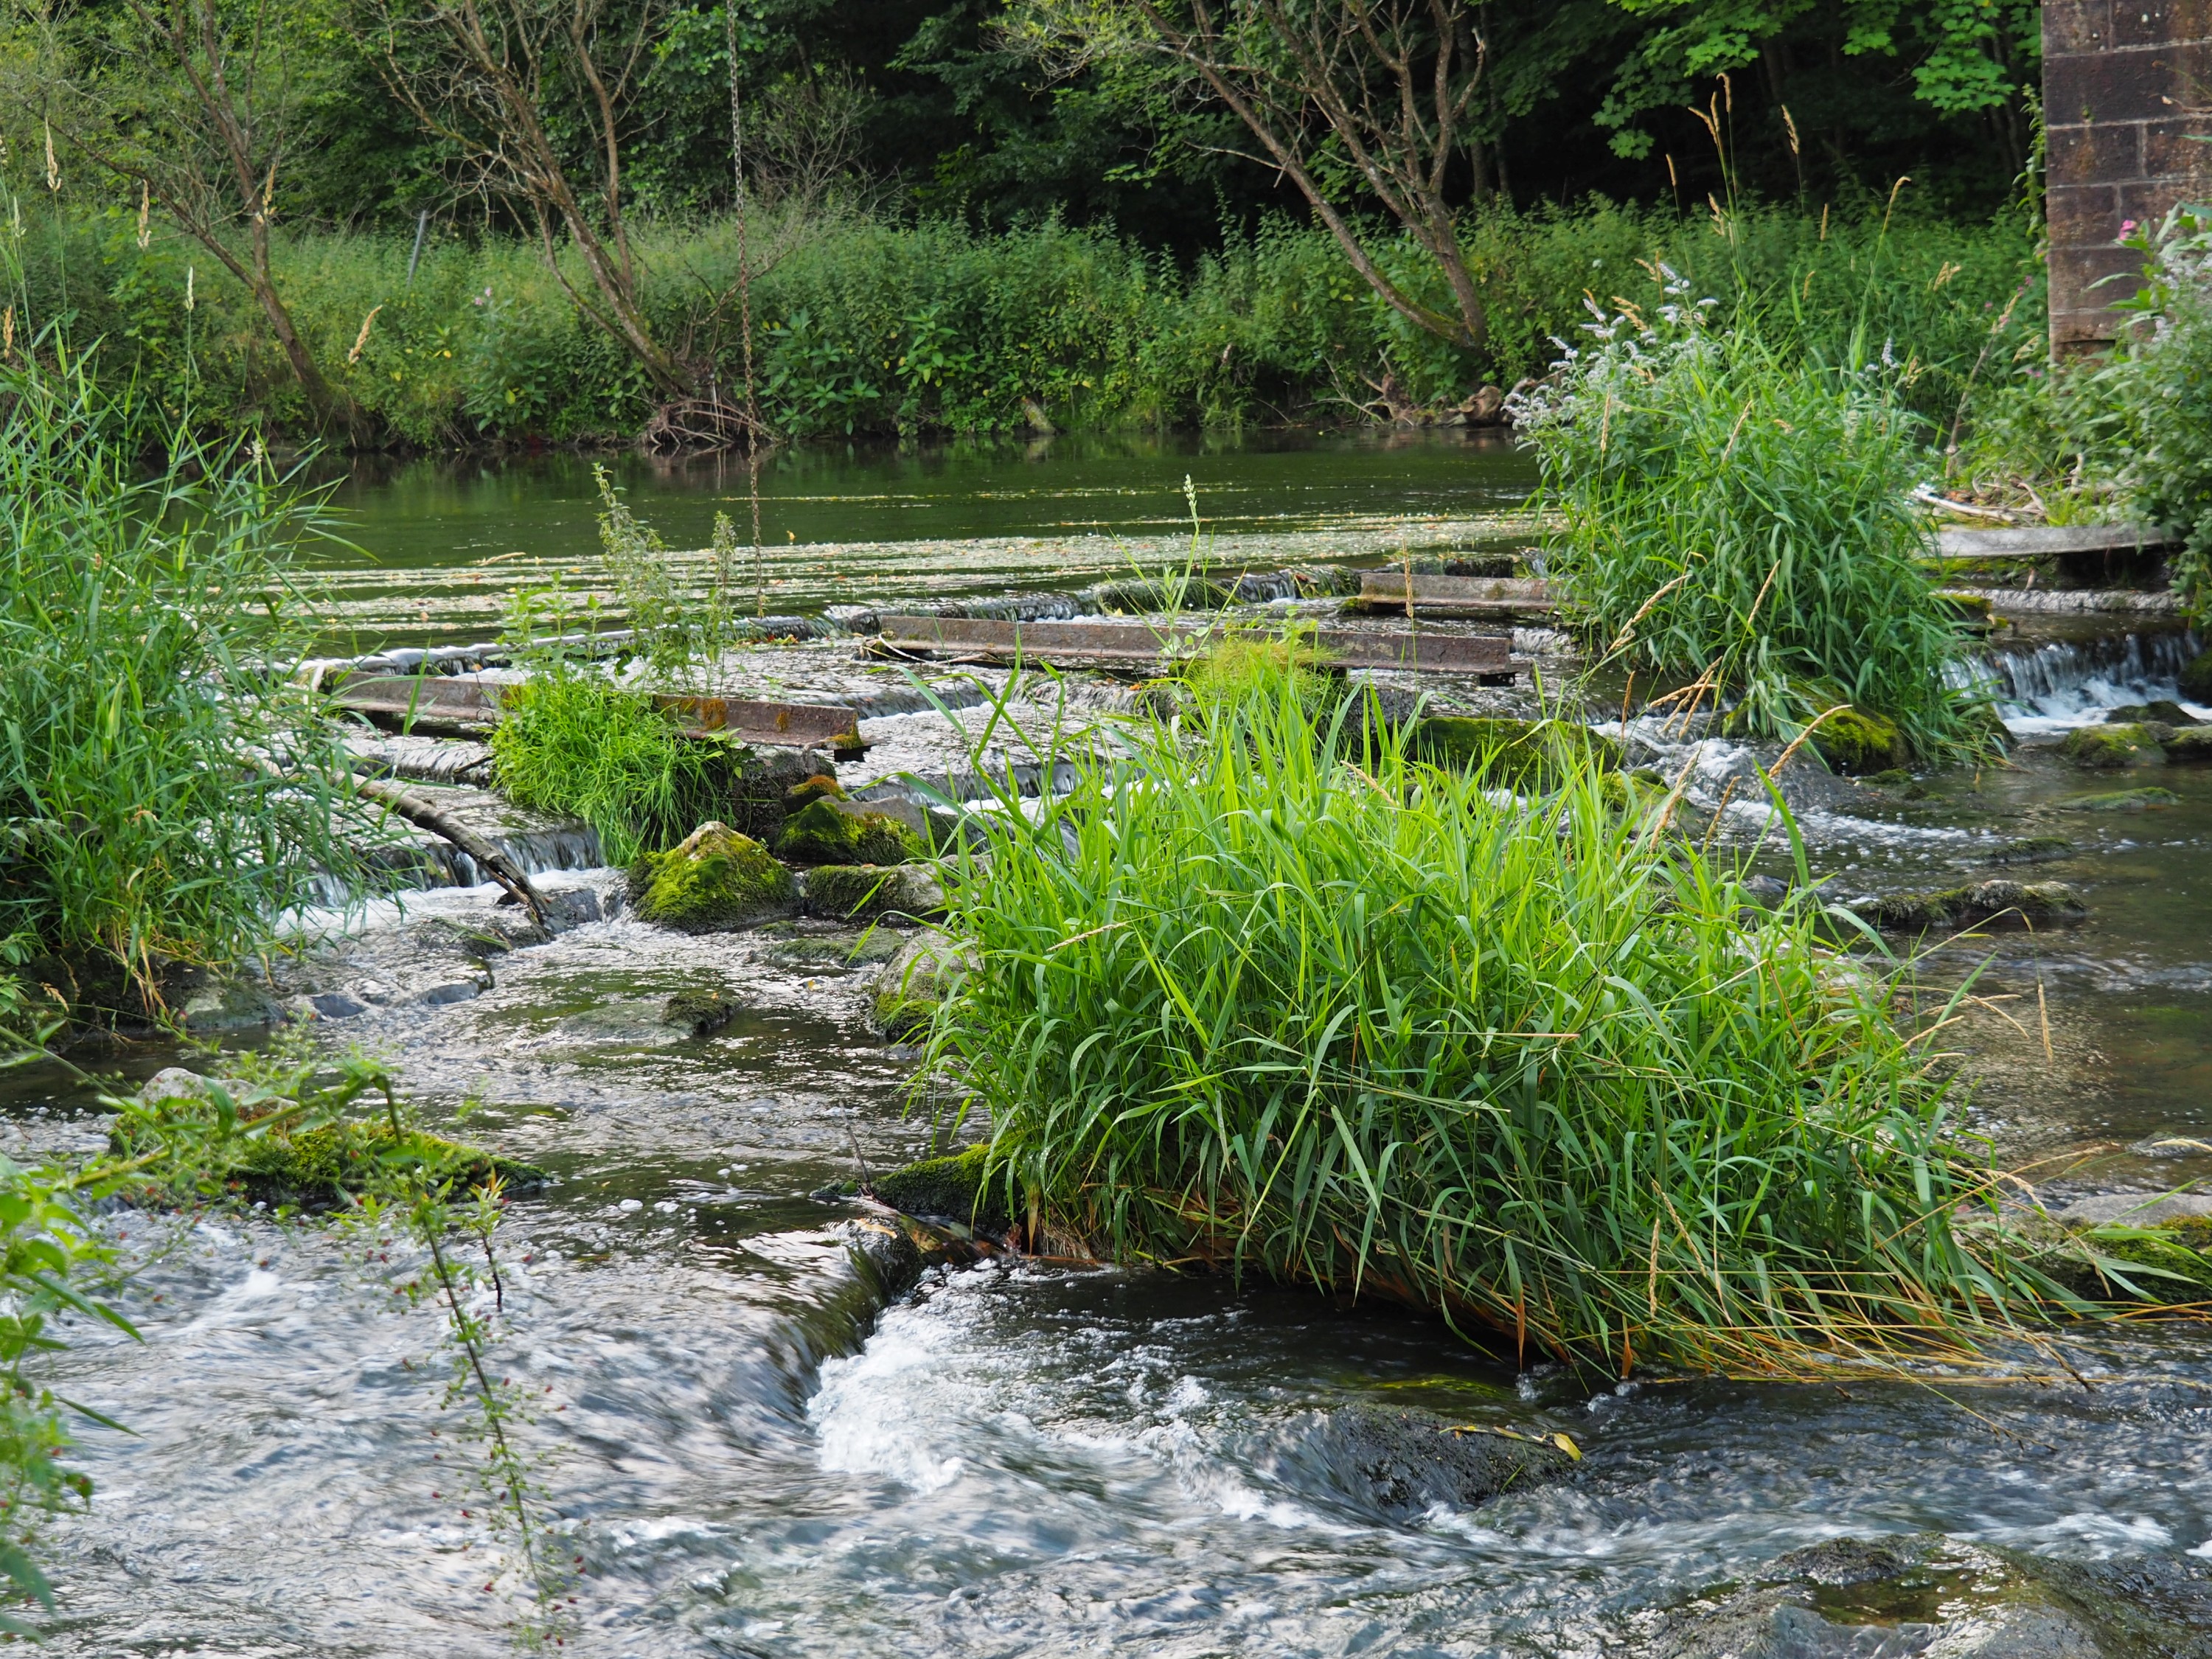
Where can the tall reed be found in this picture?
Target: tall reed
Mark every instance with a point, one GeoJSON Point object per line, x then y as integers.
{"type": "Point", "coordinates": [142, 613]}
{"type": "Point", "coordinates": [1738, 520]}
{"type": "Point", "coordinates": [1264, 995]}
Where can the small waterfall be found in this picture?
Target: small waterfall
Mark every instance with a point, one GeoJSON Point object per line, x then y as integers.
{"type": "Point", "coordinates": [2058, 684]}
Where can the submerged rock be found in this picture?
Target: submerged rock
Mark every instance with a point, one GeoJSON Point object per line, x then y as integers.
{"type": "Point", "coordinates": [230, 1004]}
{"type": "Point", "coordinates": [2122, 800]}
{"type": "Point", "coordinates": [1518, 754]}
{"type": "Point", "coordinates": [1403, 1464]}
{"type": "Point", "coordinates": [2164, 712]}
{"type": "Point", "coordinates": [2003, 903]}
{"type": "Point", "coordinates": [869, 892]}
{"type": "Point", "coordinates": [715, 880]}
{"type": "Point", "coordinates": [2032, 849]}
{"type": "Point", "coordinates": [1855, 743]}
{"type": "Point", "coordinates": [2111, 748]}
{"type": "Point", "coordinates": [832, 830]}
{"type": "Point", "coordinates": [1894, 1597]}
{"type": "Point", "coordinates": [701, 1012]}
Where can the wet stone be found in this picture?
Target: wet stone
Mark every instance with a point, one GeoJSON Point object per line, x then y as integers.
{"type": "Point", "coordinates": [2164, 712]}
{"type": "Point", "coordinates": [2123, 800]}
{"type": "Point", "coordinates": [700, 1012]}
{"type": "Point", "coordinates": [2032, 849]}
{"type": "Point", "coordinates": [906, 994]}
{"type": "Point", "coordinates": [2001, 904]}
{"type": "Point", "coordinates": [1404, 1464]}
{"type": "Point", "coordinates": [2113, 748]}
{"type": "Point", "coordinates": [1856, 744]}
{"type": "Point", "coordinates": [871, 892]}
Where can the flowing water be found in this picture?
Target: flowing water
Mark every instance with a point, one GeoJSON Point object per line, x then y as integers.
{"type": "Point", "coordinates": [750, 1454]}
{"type": "Point", "coordinates": [443, 544]}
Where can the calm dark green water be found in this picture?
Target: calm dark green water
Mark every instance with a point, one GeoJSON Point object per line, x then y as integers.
{"type": "Point", "coordinates": [442, 543]}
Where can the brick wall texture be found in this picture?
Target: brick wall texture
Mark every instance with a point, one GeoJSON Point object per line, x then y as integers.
{"type": "Point", "coordinates": [2127, 100]}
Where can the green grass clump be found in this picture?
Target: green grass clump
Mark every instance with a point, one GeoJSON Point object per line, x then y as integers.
{"type": "Point", "coordinates": [1736, 520]}
{"type": "Point", "coordinates": [571, 742]}
{"type": "Point", "coordinates": [142, 822]}
{"type": "Point", "coordinates": [1274, 1001]}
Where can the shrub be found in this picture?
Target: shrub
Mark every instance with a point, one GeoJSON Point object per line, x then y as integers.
{"type": "Point", "coordinates": [1342, 1018]}
{"type": "Point", "coordinates": [1737, 523]}
{"type": "Point", "coordinates": [2158, 391]}
{"type": "Point", "coordinates": [140, 616]}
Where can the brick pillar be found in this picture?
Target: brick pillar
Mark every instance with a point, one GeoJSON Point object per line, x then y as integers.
{"type": "Point", "coordinates": [2127, 90]}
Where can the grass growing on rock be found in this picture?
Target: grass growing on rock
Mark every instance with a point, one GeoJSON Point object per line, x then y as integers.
{"type": "Point", "coordinates": [1256, 998]}
{"type": "Point", "coordinates": [572, 742]}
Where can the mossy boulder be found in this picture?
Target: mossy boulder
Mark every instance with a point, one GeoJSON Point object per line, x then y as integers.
{"type": "Point", "coordinates": [828, 830]}
{"type": "Point", "coordinates": [715, 880]}
{"type": "Point", "coordinates": [803, 794]}
{"type": "Point", "coordinates": [1858, 743]}
{"type": "Point", "coordinates": [2196, 680]}
{"type": "Point", "coordinates": [870, 892]}
{"type": "Point", "coordinates": [1519, 755]}
{"type": "Point", "coordinates": [2111, 748]}
{"type": "Point", "coordinates": [2004, 903]}
{"type": "Point", "coordinates": [961, 1188]}
{"type": "Point", "coordinates": [2123, 800]}
{"type": "Point", "coordinates": [2190, 746]}
{"type": "Point", "coordinates": [906, 994]}
{"type": "Point", "coordinates": [700, 1011]}
{"type": "Point", "coordinates": [2032, 849]}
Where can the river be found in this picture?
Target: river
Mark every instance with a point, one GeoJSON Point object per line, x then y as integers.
{"type": "Point", "coordinates": [750, 1456]}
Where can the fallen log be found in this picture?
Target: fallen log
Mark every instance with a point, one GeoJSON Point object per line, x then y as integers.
{"type": "Point", "coordinates": [420, 809]}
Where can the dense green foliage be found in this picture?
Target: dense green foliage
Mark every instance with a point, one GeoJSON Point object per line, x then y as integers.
{"type": "Point", "coordinates": [146, 821]}
{"type": "Point", "coordinates": [1377, 1028]}
{"type": "Point", "coordinates": [1736, 521]}
{"type": "Point", "coordinates": [574, 742]}
{"type": "Point", "coordinates": [868, 325]}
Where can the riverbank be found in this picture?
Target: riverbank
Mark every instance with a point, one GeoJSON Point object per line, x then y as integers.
{"type": "Point", "coordinates": [868, 326]}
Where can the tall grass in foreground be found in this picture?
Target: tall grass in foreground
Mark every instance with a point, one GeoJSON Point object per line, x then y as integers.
{"type": "Point", "coordinates": [140, 612]}
{"type": "Point", "coordinates": [1257, 997]}
{"type": "Point", "coordinates": [1737, 521]}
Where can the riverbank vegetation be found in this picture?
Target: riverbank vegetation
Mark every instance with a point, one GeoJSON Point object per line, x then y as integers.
{"type": "Point", "coordinates": [1739, 531]}
{"type": "Point", "coordinates": [1276, 1000]}
{"type": "Point", "coordinates": [165, 795]}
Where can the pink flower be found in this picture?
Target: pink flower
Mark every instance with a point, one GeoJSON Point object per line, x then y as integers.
{"type": "Point", "coordinates": [2126, 226]}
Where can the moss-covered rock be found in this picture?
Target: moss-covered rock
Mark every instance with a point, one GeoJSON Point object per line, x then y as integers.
{"type": "Point", "coordinates": [828, 830]}
{"type": "Point", "coordinates": [2011, 903]}
{"type": "Point", "coordinates": [2122, 800]}
{"type": "Point", "coordinates": [2110, 747]}
{"type": "Point", "coordinates": [1405, 1463]}
{"type": "Point", "coordinates": [803, 794]}
{"type": "Point", "coordinates": [2162, 712]}
{"type": "Point", "coordinates": [906, 994]}
{"type": "Point", "coordinates": [869, 892]}
{"type": "Point", "coordinates": [961, 1188]}
{"type": "Point", "coordinates": [1518, 755]}
{"type": "Point", "coordinates": [2195, 679]}
{"type": "Point", "coordinates": [2032, 849]}
{"type": "Point", "coordinates": [715, 880]}
{"type": "Point", "coordinates": [2190, 746]}
{"type": "Point", "coordinates": [700, 1011]}
{"type": "Point", "coordinates": [1855, 743]}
